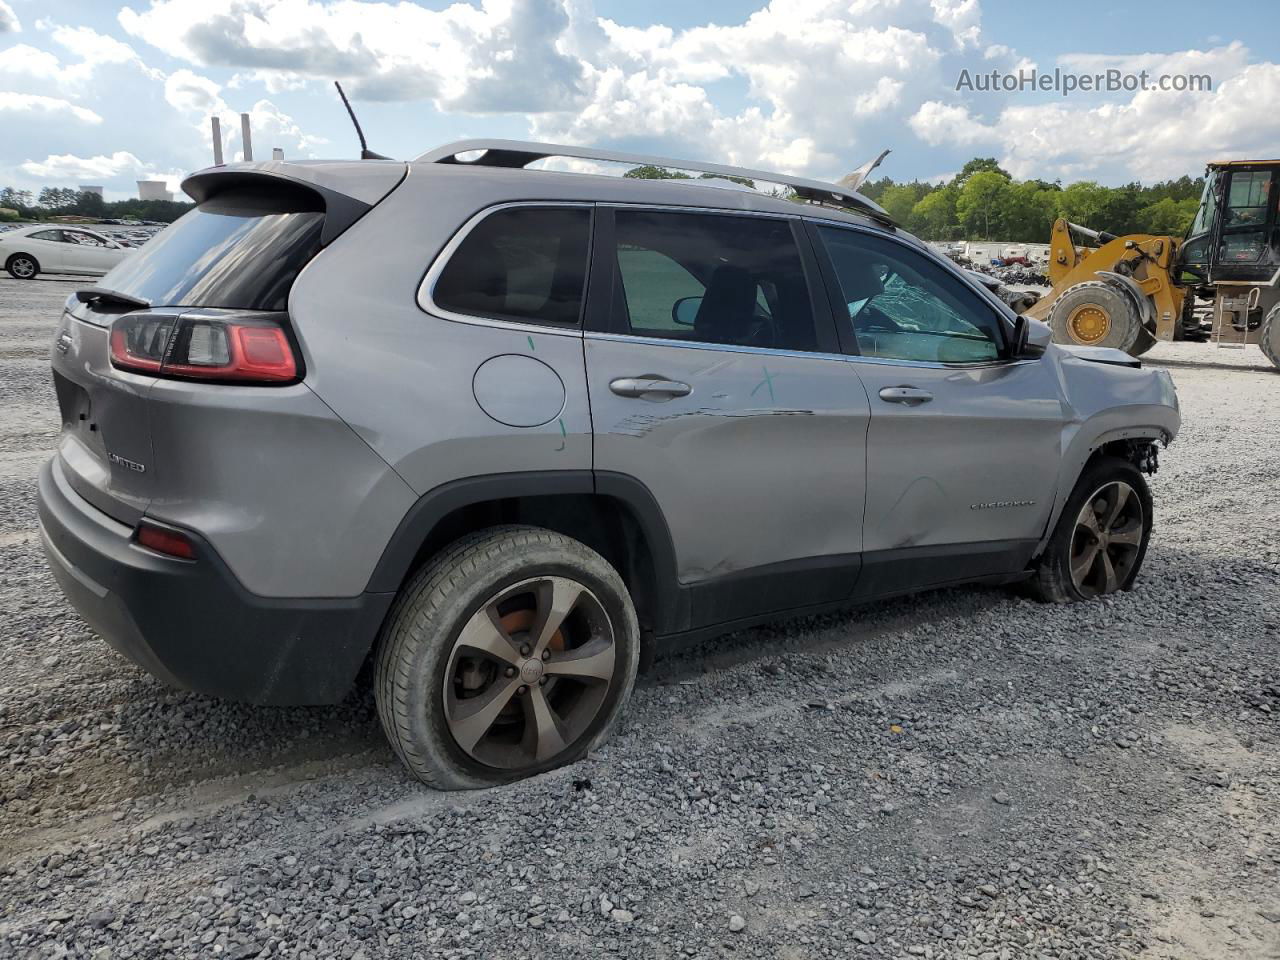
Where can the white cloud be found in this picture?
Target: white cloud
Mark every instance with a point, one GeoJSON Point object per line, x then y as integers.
{"type": "Point", "coordinates": [67, 168]}
{"type": "Point", "coordinates": [937, 123]}
{"type": "Point", "coordinates": [825, 77]}
{"type": "Point", "coordinates": [8, 19]}
{"type": "Point", "coordinates": [25, 60]}
{"type": "Point", "coordinates": [29, 103]}
{"type": "Point", "coordinates": [501, 54]}
{"type": "Point", "coordinates": [1150, 135]}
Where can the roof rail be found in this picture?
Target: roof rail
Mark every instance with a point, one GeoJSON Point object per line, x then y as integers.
{"type": "Point", "coordinates": [520, 153]}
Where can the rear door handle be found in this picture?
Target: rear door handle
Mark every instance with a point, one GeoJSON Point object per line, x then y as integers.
{"type": "Point", "coordinates": [909, 395]}
{"type": "Point", "coordinates": [644, 386]}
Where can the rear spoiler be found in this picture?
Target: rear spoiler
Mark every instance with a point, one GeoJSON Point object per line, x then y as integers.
{"type": "Point", "coordinates": [348, 190]}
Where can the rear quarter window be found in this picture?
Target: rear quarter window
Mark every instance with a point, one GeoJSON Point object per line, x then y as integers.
{"type": "Point", "coordinates": [525, 264]}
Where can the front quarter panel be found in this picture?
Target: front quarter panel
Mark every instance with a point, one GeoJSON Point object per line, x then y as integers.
{"type": "Point", "coordinates": [1107, 402]}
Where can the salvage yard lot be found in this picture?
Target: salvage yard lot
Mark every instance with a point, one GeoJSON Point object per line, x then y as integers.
{"type": "Point", "coordinates": [965, 773]}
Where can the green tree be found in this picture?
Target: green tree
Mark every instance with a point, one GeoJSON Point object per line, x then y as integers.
{"type": "Point", "coordinates": [898, 201]}
{"type": "Point", "coordinates": [934, 215]}
{"type": "Point", "coordinates": [979, 165]}
{"type": "Point", "coordinates": [1082, 203]}
{"type": "Point", "coordinates": [650, 172]}
{"type": "Point", "coordinates": [1166, 217]}
{"type": "Point", "coordinates": [1030, 210]}
{"type": "Point", "coordinates": [983, 202]}
{"type": "Point", "coordinates": [89, 204]}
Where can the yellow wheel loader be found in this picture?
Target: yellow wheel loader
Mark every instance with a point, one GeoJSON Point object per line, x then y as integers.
{"type": "Point", "coordinates": [1128, 292]}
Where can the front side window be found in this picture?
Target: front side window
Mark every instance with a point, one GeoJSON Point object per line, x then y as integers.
{"type": "Point", "coordinates": [902, 306]}
{"type": "Point", "coordinates": [52, 235]}
{"type": "Point", "coordinates": [84, 239]}
{"type": "Point", "coordinates": [525, 264]}
{"type": "Point", "coordinates": [711, 278]}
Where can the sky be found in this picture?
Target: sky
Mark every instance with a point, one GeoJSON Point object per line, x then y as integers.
{"type": "Point", "coordinates": [94, 92]}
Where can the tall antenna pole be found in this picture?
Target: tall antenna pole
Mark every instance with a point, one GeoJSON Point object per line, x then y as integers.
{"type": "Point", "coordinates": [245, 139]}
{"type": "Point", "coordinates": [217, 142]}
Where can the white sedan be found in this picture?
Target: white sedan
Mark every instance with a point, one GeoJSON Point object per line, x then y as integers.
{"type": "Point", "coordinates": [28, 251]}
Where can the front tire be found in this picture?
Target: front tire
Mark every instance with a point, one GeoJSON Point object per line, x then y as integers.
{"type": "Point", "coordinates": [1101, 538]}
{"type": "Point", "coordinates": [22, 266]}
{"type": "Point", "coordinates": [1095, 314]}
{"type": "Point", "coordinates": [511, 653]}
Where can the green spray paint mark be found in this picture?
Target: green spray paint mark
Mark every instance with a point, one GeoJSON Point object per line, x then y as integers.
{"type": "Point", "coordinates": [564, 435]}
{"type": "Point", "coordinates": [531, 346]}
{"type": "Point", "coordinates": [766, 382]}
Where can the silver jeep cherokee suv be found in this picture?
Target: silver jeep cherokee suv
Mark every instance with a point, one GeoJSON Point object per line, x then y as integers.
{"type": "Point", "coordinates": [503, 430]}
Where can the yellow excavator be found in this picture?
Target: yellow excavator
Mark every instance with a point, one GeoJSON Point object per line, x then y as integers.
{"type": "Point", "coordinates": [1129, 292]}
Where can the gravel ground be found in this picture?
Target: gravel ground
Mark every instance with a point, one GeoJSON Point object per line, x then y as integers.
{"type": "Point", "coordinates": [962, 774]}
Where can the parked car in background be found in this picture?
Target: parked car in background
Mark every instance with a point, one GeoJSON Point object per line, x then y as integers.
{"type": "Point", "coordinates": [373, 411]}
{"type": "Point", "coordinates": [30, 251]}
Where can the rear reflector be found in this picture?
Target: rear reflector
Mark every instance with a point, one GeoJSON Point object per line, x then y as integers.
{"type": "Point", "coordinates": [234, 350]}
{"type": "Point", "coordinates": [162, 540]}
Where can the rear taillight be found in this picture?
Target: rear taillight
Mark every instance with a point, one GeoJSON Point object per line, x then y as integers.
{"type": "Point", "coordinates": [231, 350]}
{"type": "Point", "coordinates": [172, 543]}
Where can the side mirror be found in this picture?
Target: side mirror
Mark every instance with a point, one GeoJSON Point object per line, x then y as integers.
{"type": "Point", "coordinates": [1030, 339]}
{"type": "Point", "coordinates": [685, 310]}
{"type": "Point", "coordinates": [1019, 336]}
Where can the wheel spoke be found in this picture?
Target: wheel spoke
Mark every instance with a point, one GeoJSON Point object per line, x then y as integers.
{"type": "Point", "coordinates": [1109, 581]}
{"type": "Point", "coordinates": [469, 720]}
{"type": "Point", "coordinates": [1089, 519]}
{"type": "Point", "coordinates": [556, 598]}
{"type": "Point", "coordinates": [1082, 565]}
{"type": "Point", "coordinates": [1129, 535]}
{"type": "Point", "coordinates": [543, 736]}
{"type": "Point", "coordinates": [591, 662]}
{"type": "Point", "coordinates": [483, 634]}
{"type": "Point", "coordinates": [1122, 492]}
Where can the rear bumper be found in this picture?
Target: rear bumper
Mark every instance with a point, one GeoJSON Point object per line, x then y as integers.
{"type": "Point", "coordinates": [191, 623]}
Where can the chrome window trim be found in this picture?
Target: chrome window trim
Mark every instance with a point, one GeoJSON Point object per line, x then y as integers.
{"type": "Point", "coordinates": [426, 289]}
{"type": "Point", "coordinates": [802, 354]}
{"type": "Point", "coordinates": [631, 205]}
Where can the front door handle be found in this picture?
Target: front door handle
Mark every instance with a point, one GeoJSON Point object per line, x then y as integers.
{"type": "Point", "coordinates": [908, 395]}
{"type": "Point", "coordinates": [645, 386]}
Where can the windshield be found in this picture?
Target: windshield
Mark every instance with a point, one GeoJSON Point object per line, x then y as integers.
{"type": "Point", "coordinates": [1208, 205]}
{"type": "Point", "coordinates": [240, 250]}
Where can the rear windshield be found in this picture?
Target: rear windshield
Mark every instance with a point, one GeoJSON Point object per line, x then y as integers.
{"type": "Point", "coordinates": [240, 250]}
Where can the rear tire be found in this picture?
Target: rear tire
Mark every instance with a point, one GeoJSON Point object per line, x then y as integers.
{"type": "Point", "coordinates": [1095, 314]}
{"type": "Point", "coordinates": [22, 266]}
{"type": "Point", "coordinates": [1269, 339]}
{"type": "Point", "coordinates": [482, 677]}
{"type": "Point", "coordinates": [1095, 551]}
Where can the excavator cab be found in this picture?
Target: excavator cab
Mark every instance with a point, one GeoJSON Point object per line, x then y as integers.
{"type": "Point", "coordinates": [1235, 237]}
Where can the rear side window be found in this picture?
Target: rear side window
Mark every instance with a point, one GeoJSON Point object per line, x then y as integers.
{"type": "Point", "coordinates": [240, 250]}
{"type": "Point", "coordinates": [526, 264]}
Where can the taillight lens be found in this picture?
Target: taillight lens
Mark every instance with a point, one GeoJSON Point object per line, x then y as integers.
{"type": "Point", "coordinates": [172, 543]}
{"type": "Point", "coordinates": [235, 350]}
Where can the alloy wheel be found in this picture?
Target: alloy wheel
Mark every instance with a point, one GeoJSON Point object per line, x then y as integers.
{"type": "Point", "coordinates": [529, 672]}
{"type": "Point", "coordinates": [1107, 539]}
{"type": "Point", "coordinates": [23, 268]}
